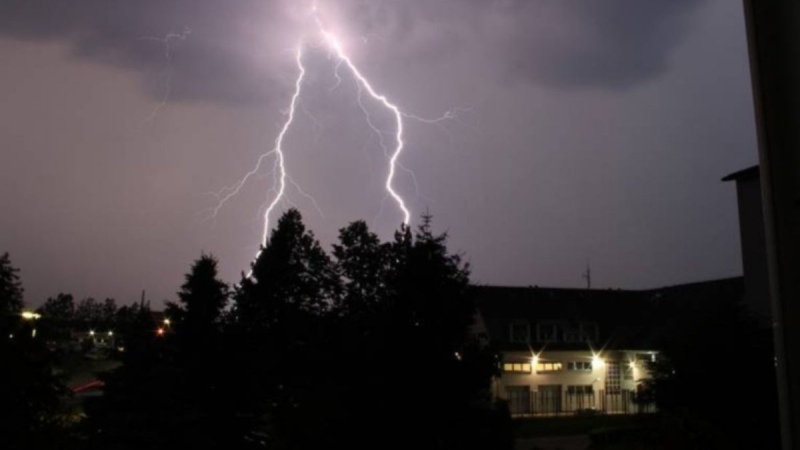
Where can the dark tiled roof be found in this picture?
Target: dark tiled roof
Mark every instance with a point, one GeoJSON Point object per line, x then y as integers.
{"type": "Point", "coordinates": [626, 318]}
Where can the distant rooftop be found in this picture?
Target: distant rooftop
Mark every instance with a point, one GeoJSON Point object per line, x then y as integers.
{"type": "Point", "coordinates": [744, 174]}
{"type": "Point", "coordinates": [624, 316]}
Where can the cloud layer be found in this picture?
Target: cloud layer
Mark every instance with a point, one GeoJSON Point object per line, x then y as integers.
{"type": "Point", "coordinates": [238, 52]}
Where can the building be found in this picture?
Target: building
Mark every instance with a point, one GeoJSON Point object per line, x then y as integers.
{"type": "Point", "coordinates": [753, 241]}
{"type": "Point", "coordinates": [572, 351]}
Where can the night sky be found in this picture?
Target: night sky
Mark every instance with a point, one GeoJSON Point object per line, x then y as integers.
{"type": "Point", "coordinates": [586, 132]}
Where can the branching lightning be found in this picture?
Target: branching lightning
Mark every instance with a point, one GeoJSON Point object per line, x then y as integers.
{"type": "Point", "coordinates": [392, 151]}
{"type": "Point", "coordinates": [382, 99]}
{"type": "Point", "coordinates": [279, 167]}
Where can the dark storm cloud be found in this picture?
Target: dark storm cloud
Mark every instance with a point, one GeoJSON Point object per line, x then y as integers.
{"type": "Point", "coordinates": [212, 63]}
{"type": "Point", "coordinates": [612, 43]}
{"type": "Point", "coordinates": [237, 50]}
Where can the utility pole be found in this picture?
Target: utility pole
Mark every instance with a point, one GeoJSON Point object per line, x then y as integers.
{"type": "Point", "coordinates": [588, 276]}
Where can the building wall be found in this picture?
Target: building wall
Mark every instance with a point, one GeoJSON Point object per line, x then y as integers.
{"type": "Point", "coordinates": [632, 367]}
{"type": "Point", "coordinates": [596, 377]}
{"type": "Point", "coordinates": [753, 242]}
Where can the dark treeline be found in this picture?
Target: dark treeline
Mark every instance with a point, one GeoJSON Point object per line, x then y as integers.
{"type": "Point", "coordinates": [715, 379]}
{"type": "Point", "coordinates": [367, 348]}
{"type": "Point", "coordinates": [61, 314]}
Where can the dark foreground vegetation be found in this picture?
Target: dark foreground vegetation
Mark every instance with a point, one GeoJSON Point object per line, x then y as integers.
{"type": "Point", "coordinates": [369, 348]}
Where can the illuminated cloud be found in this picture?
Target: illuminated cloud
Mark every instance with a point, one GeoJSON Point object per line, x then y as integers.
{"type": "Point", "coordinates": [240, 52]}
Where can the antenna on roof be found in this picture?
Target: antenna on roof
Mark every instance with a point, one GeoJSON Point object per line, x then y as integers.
{"type": "Point", "coordinates": [588, 276]}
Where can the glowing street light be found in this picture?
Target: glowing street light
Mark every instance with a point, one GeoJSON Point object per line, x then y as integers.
{"type": "Point", "coordinates": [30, 315]}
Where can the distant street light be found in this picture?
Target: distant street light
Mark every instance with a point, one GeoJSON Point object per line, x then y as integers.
{"type": "Point", "coordinates": [30, 315]}
{"type": "Point", "coordinates": [160, 331]}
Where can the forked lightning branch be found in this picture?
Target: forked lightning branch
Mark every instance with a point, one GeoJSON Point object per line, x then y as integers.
{"type": "Point", "coordinates": [277, 154]}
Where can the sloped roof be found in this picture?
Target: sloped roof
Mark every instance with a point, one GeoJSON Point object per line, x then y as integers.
{"type": "Point", "coordinates": [744, 174]}
{"type": "Point", "coordinates": [626, 318]}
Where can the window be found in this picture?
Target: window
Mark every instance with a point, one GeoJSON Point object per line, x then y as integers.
{"type": "Point", "coordinates": [546, 367]}
{"type": "Point", "coordinates": [572, 336]}
{"type": "Point", "coordinates": [517, 367]}
{"type": "Point", "coordinates": [612, 377]}
{"type": "Point", "coordinates": [627, 371]}
{"type": "Point", "coordinates": [646, 357]}
{"type": "Point", "coordinates": [584, 389]}
{"type": "Point", "coordinates": [547, 332]}
{"type": "Point", "coordinates": [520, 331]}
{"type": "Point", "coordinates": [519, 399]}
{"type": "Point", "coordinates": [589, 331]}
{"type": "Point", "coordinates": [580, 366]}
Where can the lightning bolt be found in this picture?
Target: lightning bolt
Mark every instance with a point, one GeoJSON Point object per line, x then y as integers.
{"type": "Point", "coordinates": [279, 167]}
{"type": "Point", "coordinates": [365, 88]}
{"type": "Point", "coordinates": [399, 115]}
{"type": "Point", "coordinates": [333, 43]}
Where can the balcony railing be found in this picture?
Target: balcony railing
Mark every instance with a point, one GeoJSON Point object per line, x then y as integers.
{"type": "Point", "coordinates": [555, 403]}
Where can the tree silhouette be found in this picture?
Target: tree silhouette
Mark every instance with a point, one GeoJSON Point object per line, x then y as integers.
{"type": "Point", "coordinates": [30, 393]}
{"type": "Point", "coordinates": [280, 320]}
{"type": "Point", "coordinates": [373, 349]}
{"type": "Point", "coordinates": [437, 363]}
{"type": "Point", "coordinates": [362, 264]}
{"type": "Point", "coordinates": [58, 315]}
{"type": "Point", "coordinates": [291, 273]}
{"type": "Point", "coordinates": [11, 292]}
{"type": "Point", "coordinates": [108, 314]}
{"type": "Point", "coordinates": [198, 319]}
{"type": "Point", "coordinates": [88, 313]}
{"type": "Point", "coordinates": [409, 365]}
{"type": "Point", "coordinates": [696, 340]}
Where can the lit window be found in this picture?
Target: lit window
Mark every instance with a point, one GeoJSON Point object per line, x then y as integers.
{"type": "Point", "coordinates": [545, 367]}
{"type": "Point", "coordinates": [517, 367]}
